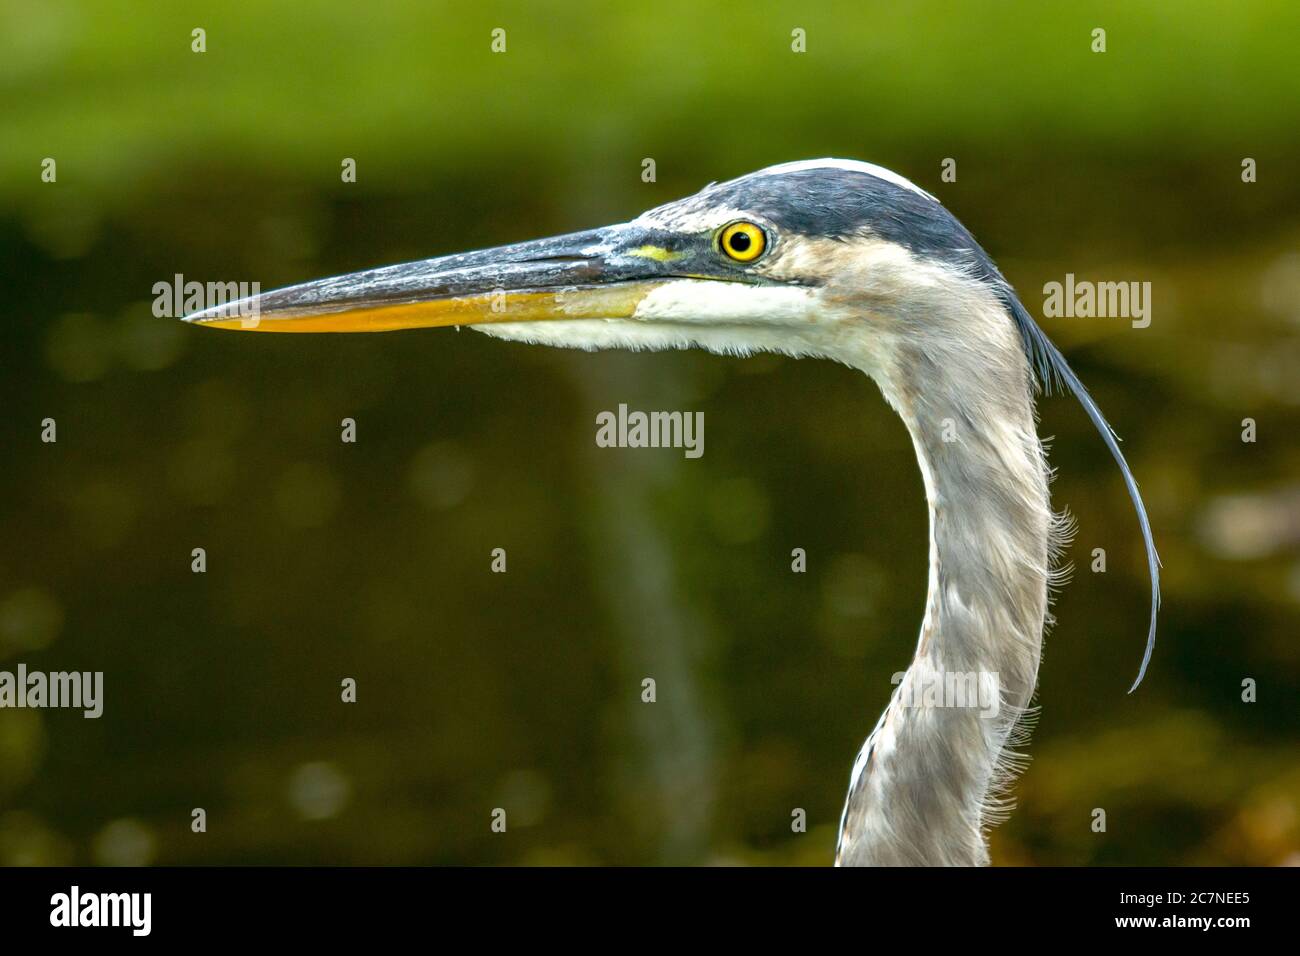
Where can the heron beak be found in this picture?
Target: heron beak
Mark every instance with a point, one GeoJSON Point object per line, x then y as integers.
{"type": "Point", "coordinates": [578, 276]}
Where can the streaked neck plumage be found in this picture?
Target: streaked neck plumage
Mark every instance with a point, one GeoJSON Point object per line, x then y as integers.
{"type": "Point", "coordinates": [930, 778]}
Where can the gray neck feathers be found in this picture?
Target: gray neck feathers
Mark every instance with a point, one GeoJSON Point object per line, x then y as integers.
{"type": "Point", "coordinates": [930, 778]}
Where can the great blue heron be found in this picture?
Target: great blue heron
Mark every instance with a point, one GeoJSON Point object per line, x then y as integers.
{"type": "Point", "coordinates": [848, 261]}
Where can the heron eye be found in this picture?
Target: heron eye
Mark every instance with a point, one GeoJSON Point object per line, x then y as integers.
{"type": "Point", "coordinates": [742, 241]}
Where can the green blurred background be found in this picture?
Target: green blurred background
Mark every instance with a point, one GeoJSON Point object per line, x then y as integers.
{"type": "Point", "coordinates": [328, 560]}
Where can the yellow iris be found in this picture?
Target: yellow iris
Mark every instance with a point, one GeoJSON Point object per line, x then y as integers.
{"type": "Point", "coordinates": [742, 241]}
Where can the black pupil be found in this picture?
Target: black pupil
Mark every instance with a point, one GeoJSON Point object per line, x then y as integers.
{"type": "Point", "coordinates": [740, 242]}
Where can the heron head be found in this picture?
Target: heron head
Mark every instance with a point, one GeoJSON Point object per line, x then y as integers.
{"type": "Point", "coordinates": [810, 258]}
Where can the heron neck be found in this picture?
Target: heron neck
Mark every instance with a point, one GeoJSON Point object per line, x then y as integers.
{"type": "Point", "coordinates": [927, 782]}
